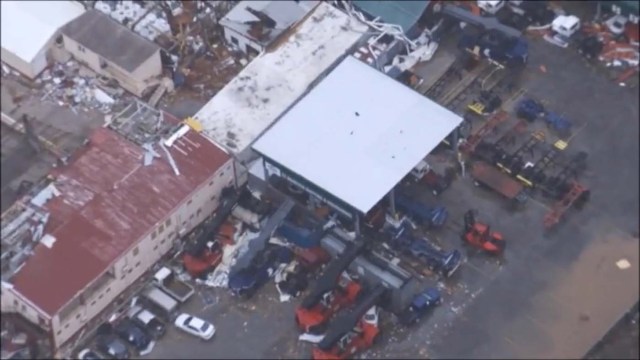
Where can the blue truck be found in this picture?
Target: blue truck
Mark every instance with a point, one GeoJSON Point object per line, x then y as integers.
{"type": "Point", "coordinates": [432, 217]}
{"type": "Point", "coordinates": [442, 262]}
{"type": "Point", "coordinates": [496, 46]}
{"type": "Point", "coordinates": [421, 304]}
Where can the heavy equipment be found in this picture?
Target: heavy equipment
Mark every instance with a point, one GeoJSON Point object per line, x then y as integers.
{"type": "Point", "coordinates": [354, 330]}
{"type": "Point", "coordinates": [332, 291]}
{"type": "Point", "coordinates": [203, 252]}
{"type": "Point", "coordinates": [479, 235]}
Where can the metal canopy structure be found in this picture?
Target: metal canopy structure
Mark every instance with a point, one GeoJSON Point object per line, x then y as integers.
{"type": "Point", "coordinates": [356, 134]}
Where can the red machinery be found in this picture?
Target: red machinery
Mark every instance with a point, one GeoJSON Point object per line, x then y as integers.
{"type": "Point", "coordinates": [480, 235]}
{"type": "Point", "coordinates": [331, 292]}
{"type": "Point", "coordinates": [353, 331]}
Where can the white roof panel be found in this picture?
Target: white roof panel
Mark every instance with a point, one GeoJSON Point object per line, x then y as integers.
{"type": "Point", "coordinates": [357, 133]}
{"type": "Point", "coordinates": [254, 99]}
{"type": "Point", "coordinates": [28, 25]}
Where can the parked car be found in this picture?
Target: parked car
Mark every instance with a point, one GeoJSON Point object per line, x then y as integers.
{"type": "Point", "coordinates": [195, 326]}
{"type": "Point", "coordinates": [246, 281]}
{"type": "Point", "coordinates": [112, 346]}
{"type": "Point", "coordinates": [128, 331]}
{"type": "Point", "coordinates": [421, 304]}
{"type": "Point", "coordinates": [88, 354]}
{"type": "Point", "coordinates": [148, 321]}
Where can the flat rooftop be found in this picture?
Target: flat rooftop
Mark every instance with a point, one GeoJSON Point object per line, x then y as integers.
{"type": "Point", "coordinates": [357, 134]}
{"type": "Point", "coordinates": [274, 80]}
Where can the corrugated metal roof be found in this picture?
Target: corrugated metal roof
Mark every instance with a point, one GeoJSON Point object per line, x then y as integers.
{"type": "Point", "coordinates": [108, 201]}
{"type": "Point", "coordinates": [357, 134]}
{"type": "Point", "coordinates": [112, 41]}
{"type": "Point", "coordinates": [403, 13]}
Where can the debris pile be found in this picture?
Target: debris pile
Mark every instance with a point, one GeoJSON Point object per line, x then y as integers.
{"type": "Point", "coordinates": [73, 86]}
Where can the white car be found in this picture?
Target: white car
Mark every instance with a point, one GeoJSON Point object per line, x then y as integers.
{"type": "Point", "coordinates": [195, 326]}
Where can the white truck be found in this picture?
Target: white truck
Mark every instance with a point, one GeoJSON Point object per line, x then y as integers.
{"type": "Point", "coordinates": [166, 280]}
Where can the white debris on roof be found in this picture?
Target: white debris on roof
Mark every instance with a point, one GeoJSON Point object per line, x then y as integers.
{"type": "Point", "coordinates": [255, 98]}
{"type": "Point", "coordinates": [27, 26]}
{"type": "Point", "coordinates": [149, 28]}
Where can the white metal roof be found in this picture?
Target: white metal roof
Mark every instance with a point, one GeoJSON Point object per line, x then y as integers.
{"type": "Point", "coordinates": [28, 25]}
{"type": "Point", "coordinates": [357, 134]}
{"type": "Point", "coordinates": [254, 99]}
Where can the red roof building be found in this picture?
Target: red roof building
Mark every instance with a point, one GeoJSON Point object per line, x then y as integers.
{"type": "Point", "coordinates": [106, 202]}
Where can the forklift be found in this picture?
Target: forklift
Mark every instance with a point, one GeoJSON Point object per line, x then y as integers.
{"type": "Point", "coordinates": [353, 331]}
{"type": "Point", "coordinates": [331, 292]}
{"type": "Point", "coordinates": [479, 235]}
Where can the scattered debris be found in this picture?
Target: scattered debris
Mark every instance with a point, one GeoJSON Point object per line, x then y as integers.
{"type": "Point", "coordinates": [623, 264]}
{"type": "Point", "coordinates": [64, 85]}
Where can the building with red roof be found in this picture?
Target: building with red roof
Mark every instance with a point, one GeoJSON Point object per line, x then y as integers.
{"type": "Point", "coordinates": [106, 217]}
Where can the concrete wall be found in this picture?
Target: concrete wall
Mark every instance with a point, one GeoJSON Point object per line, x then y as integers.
{"type": "Point", "coordinates": [134, 82]}
{"type": "Point", "coordinates": [242, 41]}
{"type": "Point", "coordinates": [24, 67]}
{"type": "Point", "coordinates": [131, 266]}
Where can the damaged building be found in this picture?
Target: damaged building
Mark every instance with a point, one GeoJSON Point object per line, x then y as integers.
{"type": "Point", "coordinates": [81, 240]}
{"type": "Point", "coordinates": [112, 50]}
{"type": "Point", "coordinates": [253, 25]}
{"type": "Point", "coordinates": [265, 88]}
{"type": "Point", "coordinates": [30, 32]}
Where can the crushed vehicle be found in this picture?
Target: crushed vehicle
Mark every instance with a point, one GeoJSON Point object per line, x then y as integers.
{"type": "Point", "coordinates": [246, 281]}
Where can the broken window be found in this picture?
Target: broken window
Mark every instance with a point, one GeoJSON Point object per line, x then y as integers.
{"type": "Point", "coordinates": [81, 48]}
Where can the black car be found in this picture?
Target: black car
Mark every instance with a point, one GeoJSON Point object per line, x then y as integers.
{"type": "Point", "coordinates": [112, 346]}
{"type": "Point", "coordinates": [128, 331]}
{"type": "Point", "coordinates": [148, 321]}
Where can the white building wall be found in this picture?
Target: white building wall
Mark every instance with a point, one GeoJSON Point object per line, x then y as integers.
{"type": "Point", "coordinates": [242, 42]}
{"type": "Point", "coordinates": [135, 82]}
{"type": "Point", "coordinates": [130, 267]}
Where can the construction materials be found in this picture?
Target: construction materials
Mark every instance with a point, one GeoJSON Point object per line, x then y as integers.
{"type": "Point", "coordinates": [479, 235]}
{"type": "Point", "coordinates": [486, 175]}
{"type": "Point", "coordinates": [487, 103]}
{"type": "Point", "coordinates": [472, 141]}
{"type": "Point", "coordinates": [577, 194]}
